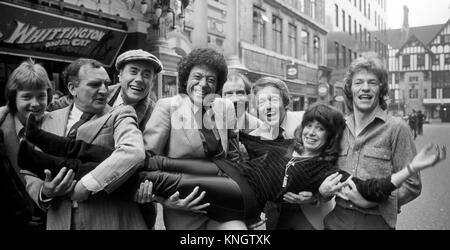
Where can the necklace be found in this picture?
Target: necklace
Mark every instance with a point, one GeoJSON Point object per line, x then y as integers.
{"type": "Point", "coordinates": [291, 163]}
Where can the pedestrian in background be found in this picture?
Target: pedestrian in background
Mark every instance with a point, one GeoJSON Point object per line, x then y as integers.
{"type": "Point", "coordinates": [420, 120]}
{"type": "Point", "coordinates": [412, 121]}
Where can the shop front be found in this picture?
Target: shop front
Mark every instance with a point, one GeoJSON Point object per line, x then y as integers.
{"type": "Point", "coordinates": [54, 38]}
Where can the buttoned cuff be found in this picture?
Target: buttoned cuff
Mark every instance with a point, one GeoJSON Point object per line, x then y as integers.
{"type": "Point", "coordinates": [91, 184]}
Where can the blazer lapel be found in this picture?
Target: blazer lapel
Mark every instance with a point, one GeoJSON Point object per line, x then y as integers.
{"type": "Point", "coordinates": [56, 121]}
{"type": "Point", "coordinates": [11, 140]}
{"type": "Point", "coordinates": [94, 126]}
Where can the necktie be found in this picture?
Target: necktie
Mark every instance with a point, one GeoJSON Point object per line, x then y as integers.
{"type": "Point", "coordinates": [210, 143]}
{"type": "Point", "coordinates": [84, 118]}
{"type": "Point", "coordinates": [21, 133]}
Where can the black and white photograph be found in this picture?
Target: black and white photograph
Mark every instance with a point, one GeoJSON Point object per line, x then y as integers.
{"type": "Point", "coordinates": [247, 117]}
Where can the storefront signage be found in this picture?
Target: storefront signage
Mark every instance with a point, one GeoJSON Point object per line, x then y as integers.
{"type": "Point", "coordinates": [292, 72]}
{"type": "Point", "coordinates": [34, 33]}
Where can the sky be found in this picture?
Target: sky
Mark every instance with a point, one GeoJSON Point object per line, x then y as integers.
{"type": "Point", "coordinates": [421, 12]}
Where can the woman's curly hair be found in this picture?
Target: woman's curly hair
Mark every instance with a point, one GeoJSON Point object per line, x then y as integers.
{"type": "Point", "coordinates": [203, 56]}
{"type": "Point", "coordinates": [334, 123]}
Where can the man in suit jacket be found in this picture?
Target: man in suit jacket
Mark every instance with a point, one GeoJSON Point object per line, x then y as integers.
{"type": "Point", "coordinates": [272, 100]}
{"type": "Point", "coordinates": [181, 126]}
{"type": "Point", "coordinates": [89, 206]}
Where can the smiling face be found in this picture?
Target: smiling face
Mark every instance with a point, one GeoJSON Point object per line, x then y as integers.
{"type": "Point", "coordinates": [136, 80]}
{"type": "Point", "coordinates": [235, 92]}
{"type": "Point", "coordinates": [314, 137]}
{"type": "Point", "coordinates": [31, 101]}
{"type": "Point", "coordinates": [270, 104]}
{"type": "Point", "coordinates": [90, 92]}
{"type": "Point", "coordinates": [365, 92]}
{"type": "Point", "coordinates": [202, 81]}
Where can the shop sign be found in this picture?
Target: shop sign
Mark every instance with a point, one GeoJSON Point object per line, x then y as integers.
{"type": "Point", "coordinates": [34, 33]}
{"type": "Point", "coordinates": [292, 72]}
{"type": "Point", "coordinates": [323, 90]}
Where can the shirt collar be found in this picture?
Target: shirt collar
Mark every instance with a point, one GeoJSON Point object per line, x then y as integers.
{"type": "Point", "coordinates": [379, 114]}
{"type": "Point", "coordinates": [119, 100]}
{"type": "Point", "coordinates": [76, 113]}
{"type": "Point", "coordinates": [18, 124]}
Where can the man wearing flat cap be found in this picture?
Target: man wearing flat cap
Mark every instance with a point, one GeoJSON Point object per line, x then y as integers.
{"type": "Point", "coordinates": [137, 69]}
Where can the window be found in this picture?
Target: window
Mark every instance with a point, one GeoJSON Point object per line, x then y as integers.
{"type": "Point", "coordinates": [413, 92]}
{"type": "Point", "coordinates": [343, 20]}
{"type": "Point", "coordinates": [425, 93]}
{"type": "Point", "coordinates": [447, 59]}
{"type": "Point", "coordinates": [336, 7]}
{"type": "Point", "coordinates": [421, 60]}
{"type": "Point", "coordinates": [304, 45]}
{"type": "Point", "coordinates": [277, 34]}
{"type": "Point", "coordinates": [437, 60]}
{"type": "Point", "coordinates": [336, 47]}
{"type": "Point", "coordinates": [313, 9]}
{"type": "Point", "coordinates": [349, 25]}
{"type": "Point", "coordinates": [406, 61]}
{"type": "Point", "coordinates": [259, 27]}
{"type": "Point", "coordinates": [413, 78]}
{"type": "Point", "coordinates": [350, 53]}
{"type": "Point", "coordinates": [344, 56]}
{"type": "Point", "coordinates": [292, 42]}
{"type": "Point", "coordinates": [317, 58]}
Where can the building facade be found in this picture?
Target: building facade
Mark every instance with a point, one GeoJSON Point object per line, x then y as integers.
{"type": "Point", "coordinates": [357, 28]}
{"type": "Point", "coordinates": [54, 33]}
{"type": "Point", "coordinates": [280, 38]}
{"type": "Point", "coordinates": [419, 66]}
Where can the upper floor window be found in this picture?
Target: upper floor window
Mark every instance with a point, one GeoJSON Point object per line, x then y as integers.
{"type": "Point", "coordinates": [421, 60]}
{"type": "Point", "coordinates": [447, 59]}
{"type": "Point", "coordinates": [292, 42]}
{"type": "Point", "coordinates": [406, 61]}
{"type": "Point", "coordinates": [277, 32]}
{"type": "Point", "coordinates": [259, 27]}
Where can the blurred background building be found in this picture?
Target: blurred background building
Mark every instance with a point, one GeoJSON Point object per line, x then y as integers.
{"type": "Point", "coordinates": [419, 65]}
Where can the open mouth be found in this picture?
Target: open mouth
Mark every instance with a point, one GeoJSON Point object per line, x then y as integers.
{"type": "Point", "coordinates": [271, 114]}
{"type": "Point", "coordinates": [365, 97]}
{"type": "Point", "coordinates": [137, 89]}
{"type": "Point", "coordinates": [310, 140]}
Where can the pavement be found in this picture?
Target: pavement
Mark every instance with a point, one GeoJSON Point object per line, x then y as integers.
{"type": "Point", "coordinates": [431, 210]}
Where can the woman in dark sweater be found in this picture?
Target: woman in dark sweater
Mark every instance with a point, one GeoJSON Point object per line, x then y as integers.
{"type": "Point", "coordinates": [272, 168]}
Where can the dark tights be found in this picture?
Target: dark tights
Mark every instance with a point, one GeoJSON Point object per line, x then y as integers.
{"type": "Point", "coordinates": [224, 195]}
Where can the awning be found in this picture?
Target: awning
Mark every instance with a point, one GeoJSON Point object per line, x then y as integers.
{"type": "Point", "coordinates": [35, 33]}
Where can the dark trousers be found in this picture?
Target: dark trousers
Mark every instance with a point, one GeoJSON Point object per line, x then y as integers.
{"type": "Point", "coordinates": [348, 219]}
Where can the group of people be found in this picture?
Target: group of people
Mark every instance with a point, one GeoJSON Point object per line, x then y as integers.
{"type": "Point", "coordinates": [216, 156]}
{"type": "Point", "coordinates": [416, 120]}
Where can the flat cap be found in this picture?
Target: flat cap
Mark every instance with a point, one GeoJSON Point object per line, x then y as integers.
{"type": "Point", "coordinates": [139, 55]}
